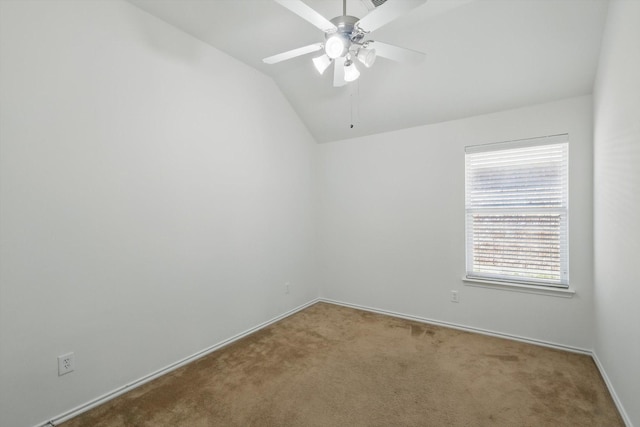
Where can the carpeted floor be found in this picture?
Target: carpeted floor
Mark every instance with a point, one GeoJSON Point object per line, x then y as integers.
{"type": "Point", "coordinates": [334, 366]}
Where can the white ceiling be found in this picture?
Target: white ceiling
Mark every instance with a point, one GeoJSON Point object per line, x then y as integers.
{"type": "Point", "coordinates": [482, 56]}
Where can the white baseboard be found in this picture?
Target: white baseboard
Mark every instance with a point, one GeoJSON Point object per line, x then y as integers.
{"type": "Point", "coordinates": [137, 383]}
{"type": "Point", "coordinates": [612, 391]}
{"type": "Point", "coordinates": [462, 327]}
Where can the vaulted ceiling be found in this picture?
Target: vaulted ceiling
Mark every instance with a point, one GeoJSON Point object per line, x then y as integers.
{"type": "Point", "coordinates": [482, 56]}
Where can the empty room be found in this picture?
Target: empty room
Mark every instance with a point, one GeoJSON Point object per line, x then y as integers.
{"type": "Point", "coordinates": [319, 213]}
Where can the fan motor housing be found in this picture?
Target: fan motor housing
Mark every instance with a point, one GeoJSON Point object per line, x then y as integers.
{"type": "Point", "coordinates": [346, 27]}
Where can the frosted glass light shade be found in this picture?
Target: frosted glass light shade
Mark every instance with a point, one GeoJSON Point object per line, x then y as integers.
{"type": "Point", "coordinates": [351, 73]}
{"type": "Point", "coordinates": [335, 46]}
{"type": "Point", "coordinates": [367, 57]}
{"type": "Point", "coordinates": [322, 63]}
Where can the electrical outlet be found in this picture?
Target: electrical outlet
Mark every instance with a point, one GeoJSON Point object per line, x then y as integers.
{"type": "Point", "coordinates": [454, 296]}
{"type": "Point", "coordinates": [286, 288]}
{"type": "Point", "coordinates": [66, 363]}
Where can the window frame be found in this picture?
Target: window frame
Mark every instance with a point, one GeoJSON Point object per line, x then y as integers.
{"type": "Point", "coordinates": [502, 280]}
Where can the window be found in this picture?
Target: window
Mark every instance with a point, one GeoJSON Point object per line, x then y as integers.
{"type": "Point", "coordinates": [516, 211]}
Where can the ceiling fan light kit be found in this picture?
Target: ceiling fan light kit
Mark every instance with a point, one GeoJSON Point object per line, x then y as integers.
{"type": "Point", "coordinates": [345, 39]}
{"type": "Point", "coordinates": [351, 73]}
{"type": "Point", "coordinates": [335, 46]}
{"type": "Point", "coordinates": [321, 63]}
{"type": "Point", "coordinates": [367, 56]}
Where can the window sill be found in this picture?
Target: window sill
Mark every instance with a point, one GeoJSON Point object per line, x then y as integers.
{"type": "Point", "coordinates": [518, 287]}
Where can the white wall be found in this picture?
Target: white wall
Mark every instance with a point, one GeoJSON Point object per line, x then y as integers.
{"type": "Point", "coordinates": [392, 235]}
{"type": "Point", "coordinates": [154, 200]}
{"type": "Point", "coordinates": [617, 204]}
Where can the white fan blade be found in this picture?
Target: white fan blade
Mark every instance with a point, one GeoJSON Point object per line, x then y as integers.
{"type": "Point", "coordinates": [292, 53]}
{"type": "Point", "coordinates": [338, 72]}
{"type": "Point", "coordinates": [308, 14]}
{"type": "Point", "coordinates": [386, 13]}
{"type": "Point", "coordinates": [396, 53]}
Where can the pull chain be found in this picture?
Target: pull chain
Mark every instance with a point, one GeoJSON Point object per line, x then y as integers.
{"type": "Point", "coordinates": [351, 110]}
{"type": "Point", "coordinates": [355, 107]}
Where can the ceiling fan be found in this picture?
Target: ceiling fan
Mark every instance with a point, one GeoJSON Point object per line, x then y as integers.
{"type": "Point", "coordinates": [346, 39]}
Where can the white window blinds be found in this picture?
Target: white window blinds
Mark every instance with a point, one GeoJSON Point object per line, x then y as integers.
{"type": "Point", "coordinates": [516, 211]}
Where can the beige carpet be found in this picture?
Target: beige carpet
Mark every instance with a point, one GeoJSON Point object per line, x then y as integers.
{"type": "Point", "coordinates": [335, 366]}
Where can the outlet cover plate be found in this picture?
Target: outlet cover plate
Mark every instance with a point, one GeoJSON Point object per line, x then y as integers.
{"type": "Point", "coordinates": [66, 363]}
{"type": "Point", "coordinates": [454, 296]}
